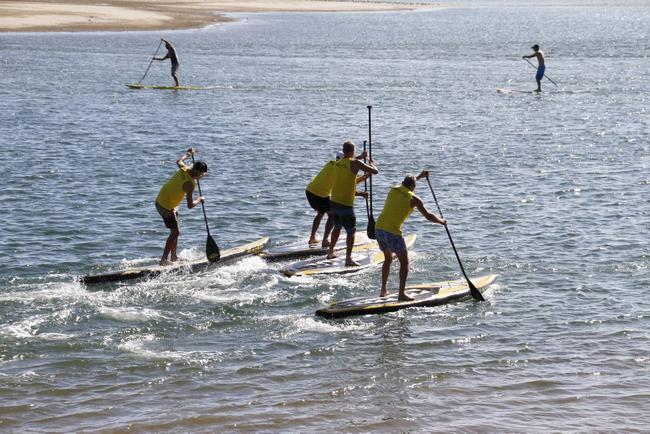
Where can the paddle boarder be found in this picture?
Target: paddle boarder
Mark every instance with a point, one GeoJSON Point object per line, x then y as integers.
{"type": "Point", "coordinates": [344, 190]}
{"type": "Point", "coordinates": [388, 229]}
{"type": "Point", "coordinates": [181, 184]}
{"type": "Point", "coordinates": [540, 65]}
{"type": "Point", "coordinates": [173, 57]}
{"type": "Point", "coordinates": [318, 195]}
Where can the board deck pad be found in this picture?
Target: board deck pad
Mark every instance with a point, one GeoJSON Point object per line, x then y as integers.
{"type": "Point", "coordinates": [426, 294]}
{"type": "Point", "coordinates": [366, 254]}
{"type": "Point", "coordinates": [301, 248]}
{"type": "Point", "coordinates": [157, 87]}
{"type": "Point", "coordinates": [227, 255]}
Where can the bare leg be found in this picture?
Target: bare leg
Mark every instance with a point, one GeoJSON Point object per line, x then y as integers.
{"type": "Point", "coordinates": [170, 246]}
{"type": "Point", "coordinates": [175, 77]}
{"type": "Point", "coordinates": [385, 271]}
{"type": "Point", "coordinates": [329, 224]}
{"type": "Point", "coordinates": [335, 237]}
{"type": "Point", "coordinates": [539, 86]}
{"type": "Point", "coordinates": [403, 257]}
{"type": "Point", "coordinates": [349, 243]}
{"type": "Point", "coordinates": [314, 227]}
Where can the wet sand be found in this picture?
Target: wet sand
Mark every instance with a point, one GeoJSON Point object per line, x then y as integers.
{"type": "Point", "coordinates": [124, 15]}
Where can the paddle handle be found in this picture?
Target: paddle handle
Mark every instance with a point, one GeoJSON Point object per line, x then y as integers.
{"type": "Point", "coordinates": [152, 57]}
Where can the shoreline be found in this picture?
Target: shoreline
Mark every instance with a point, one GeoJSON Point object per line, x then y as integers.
{"type": "Point", "coordinates": [150, 15]}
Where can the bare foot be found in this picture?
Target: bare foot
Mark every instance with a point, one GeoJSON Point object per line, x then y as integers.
{"type": "Point", "coordinates": [325, 244]}
{"type": "Point", "coordinates": [164, 262]}
{"type": "Point", "coordinates": [174, 258]}
{"type": "Point", "coordinates": [404, 297]}
{"type": "Point", "coordinates": [384, 293]}
{"type": "Point", "coordinates": [313, 241]}
{"type": "Point", "coordinates": [331, 256]}
{"type": "Point", "coordinates": [351, 263]}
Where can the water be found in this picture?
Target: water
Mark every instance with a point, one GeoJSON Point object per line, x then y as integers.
{"type": "Point", "coordinates": [549, 191]}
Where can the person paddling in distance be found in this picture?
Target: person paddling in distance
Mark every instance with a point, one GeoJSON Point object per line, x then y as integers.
{"type": "Point", "coordinates": [344, 190]}
{"type": "Point", "coordinates": [181, 184]}
{"type": "Point", "coordinates": [318, 194]}
{"type": "Point", "coordinates": [388, 229]}
{"type": "Point", "coordinates": [541, 67]}
{"type": "Point", "coordinates": [173, 57]}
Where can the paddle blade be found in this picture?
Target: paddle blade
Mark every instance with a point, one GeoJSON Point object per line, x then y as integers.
{"type": "Point", "coordinates": [476, 294]}
{"type": "Point", "coordinates": [370, 230]}
{"type": "Point", "coordinates": [212, 250]}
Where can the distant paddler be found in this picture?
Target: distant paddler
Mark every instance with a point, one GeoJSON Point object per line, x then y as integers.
{"type": "Point", "coordinates": [173, 57]}
{"type": "Point", "coordinates": [388, 229]}
{"type": "Point", "coordinates": [541, 67]}
{"type": "Point", "coordinates": [318, 195]}
{"type": "Point", "coordinates": [344, 190]}
{"type": "Point", "coordinates": [181, 184]}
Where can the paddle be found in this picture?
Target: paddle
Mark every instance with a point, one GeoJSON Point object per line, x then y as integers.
{"type": "Point", "coordinates": [476, 294]}
{"type": "Point", "coordinates": [152, 57]}
{"type": "Point", "coordinates": [365, 187]}
{"type": "Point", "coordinates": [211, 248]}
{"type": "Point", "coordinates": [531, 64]}
{"type": "Point", "coordinates": [370, 230]}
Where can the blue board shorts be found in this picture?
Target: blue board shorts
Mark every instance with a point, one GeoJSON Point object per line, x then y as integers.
{"type": "Point", "coordinates": [344, 217]}
{"type": "Point", "coordinates": [391, 242]}
{"type": "Point", "coordinates": [540, 72]}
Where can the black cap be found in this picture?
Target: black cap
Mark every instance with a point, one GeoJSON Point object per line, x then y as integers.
{"type": "Point", "coordinates": [200, 166]}
{"type": "Point", "coordinates": [535, 47]}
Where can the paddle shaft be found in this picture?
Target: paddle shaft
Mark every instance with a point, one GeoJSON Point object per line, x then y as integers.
{"type": "Point", "coordinates": [365, 182]}
{"type": "Point", "coordinates": [370, 154]}
{"type": "Point", "coordinates": [152, 57]}
{"type": "Point", "coordinates": [476, 294]}
{"type": "Point", "coordinates": [205, 217]}
{"type": "Point", "coordinates": [531, 64]}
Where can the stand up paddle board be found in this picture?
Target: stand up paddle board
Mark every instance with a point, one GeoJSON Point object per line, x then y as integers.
{"type": "Point", "coordinates": [366, 254]}
{"type": "Point", "coordinates": [302, 248]}
{"type": "Point", "coordinates": [187, 267]}
{"type": "Point", "coordinates": [154, 87]}
{"type": "Point", "coordinates": [426, 294]}
{"type": "Point", "coordinates": [517, 91]}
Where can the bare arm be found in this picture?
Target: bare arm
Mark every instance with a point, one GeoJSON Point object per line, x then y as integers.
{"type": "Point", "coordinates": [356, 165]}
{"type": "Point", "coordinates": [180, 162]}
{"type": "Point", "coordinates": [417, 203]}
{"type": "Point", "coordinates": [188, 188]}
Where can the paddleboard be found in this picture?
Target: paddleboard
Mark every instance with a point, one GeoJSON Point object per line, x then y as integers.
{"type": "Point", "coordinates": [516, 91]}
{"type": "Point", "coordinates": [227, 255]}
{"type": "Point", "coordinates": [154, 87]}
{"type": "Point", "coordinates": [301, 248]}
{"type": "Point", "coordinates": [426, 294]}
{"type": "Point", "coordinates": [366, 254]}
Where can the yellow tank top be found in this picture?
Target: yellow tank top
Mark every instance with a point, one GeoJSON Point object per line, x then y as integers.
{"type": "Point", "coordinates": [321, 184]}
{"type": "Point", "coordinates": [345, 183]}
{"type": "Point", "coordinates": [171, 194]}
{"type": "Point", "coordinates": [396, 209]}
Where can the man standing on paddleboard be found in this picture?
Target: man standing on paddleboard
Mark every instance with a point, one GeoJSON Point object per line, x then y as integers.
{"type": "Point", "coordinates": [173, 57]}
{"type": "Point", "coordinates": [344, 190]}
{"type": "Point", "coordinates": [388, 229]}
{"type": "Point", "coordinates": [318, 195]}
{"type": "Point", "coordinates": [540, 65]}
{"type": "Point", "coordinates": [181, 184]}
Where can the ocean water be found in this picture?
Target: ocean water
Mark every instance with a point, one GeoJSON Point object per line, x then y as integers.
{"type": "Point", "coordinates": [550, 191]}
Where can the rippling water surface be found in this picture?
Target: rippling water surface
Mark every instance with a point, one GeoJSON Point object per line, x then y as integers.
{"type": "Point", "coordinates": [549, 191]}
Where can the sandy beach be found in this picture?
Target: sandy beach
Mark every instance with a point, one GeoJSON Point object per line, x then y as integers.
{"type": "Point", "coordinates": [123, 15]}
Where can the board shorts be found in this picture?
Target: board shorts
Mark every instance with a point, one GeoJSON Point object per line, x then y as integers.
{"type": "Point", "coordinates": [318, 203]}
{"type": "Point", "coordinates": [344, 218]}
{"type": "Point", "coordinates": [170, 217]}
{"type": "Point", "coordinates": [388, 241]}
{"type": "Point", "coordinates": [540, 72]}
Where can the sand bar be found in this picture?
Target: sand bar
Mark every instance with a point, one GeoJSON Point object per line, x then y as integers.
{"type": "Point", "coordinates": [123, 15]}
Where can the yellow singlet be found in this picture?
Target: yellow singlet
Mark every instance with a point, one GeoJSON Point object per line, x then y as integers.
{"type": "Point", "coordinates": [396, 209]}
{"type": "Point", "coordinates": [321, 184]}
{"type": "Point", "coordinates": [345, 183]}
{"type": "Point", "coordinates": [171, 194]}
